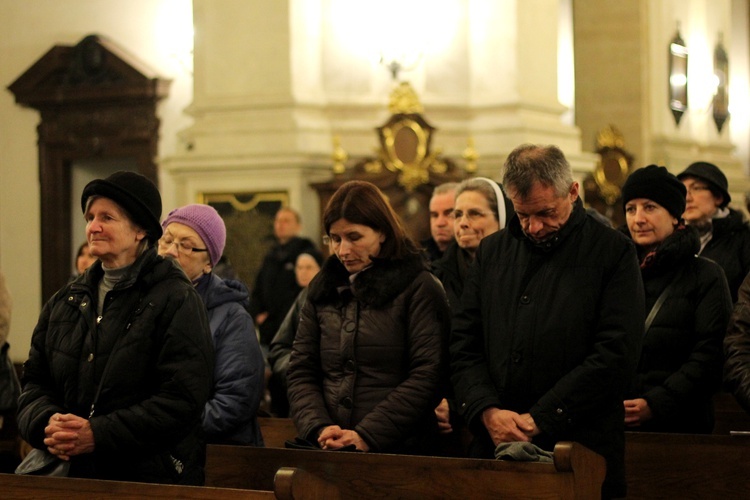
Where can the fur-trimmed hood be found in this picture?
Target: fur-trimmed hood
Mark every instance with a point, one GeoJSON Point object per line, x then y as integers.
{"type": "Point", "coordinates": [375, 286]}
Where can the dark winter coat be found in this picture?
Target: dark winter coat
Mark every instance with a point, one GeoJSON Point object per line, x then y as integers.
{"type": "Point", "coordinates": [275, 286]}
{"type": "Point", "coordinates": [737, 348]}
{"type": "Point", "coordinates": [729, 247]}
{"type": "Point", "coordinates": [279, 353]}
{"type": "Point", "coordinates": [154, 337]}
{"type": "Point", "coordinates": [370, 357]}
{"type": "Point", "coordinates": [448, 271]}
{"type": "Point", "coordinates": [230, 416]}
{"type": "Point", "coordinates": [681, 356]}
{"type": "Point", "coordinates": [552, 329]}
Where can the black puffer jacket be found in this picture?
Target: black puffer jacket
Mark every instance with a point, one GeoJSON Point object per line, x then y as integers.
{"type": "Point", "coordinates": [370, 357]}
{"type": "Point", "coordinates": [681, 356]}
{"type": "Point", "coordinates": [737, 348]}
{"type": "Point", "coordinates": [450, 270]}
{"type": "Point", "coordinates": [155, 338]}
{"type": "Point", "coordinates": [730, 248]}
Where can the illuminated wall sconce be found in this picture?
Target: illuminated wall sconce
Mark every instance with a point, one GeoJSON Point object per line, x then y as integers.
{"type": "Point", "coordinates": [678, 60]}
{"type": "Point", "coordinates": [721, 78]}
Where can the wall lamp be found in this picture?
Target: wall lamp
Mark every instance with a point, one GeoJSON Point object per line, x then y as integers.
{"type": "Point", "coordinates": [678, 60]}
{"type": "Point", "coordinates": [721, 78]}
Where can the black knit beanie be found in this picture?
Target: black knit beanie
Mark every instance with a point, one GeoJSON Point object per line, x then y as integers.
{"type": "Point", "coordinates": [656, 184]}
{"type": "Point", "coordinates": [135, 193]}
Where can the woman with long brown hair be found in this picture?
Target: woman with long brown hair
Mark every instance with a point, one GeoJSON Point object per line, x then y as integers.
{"type": "Point", "coordinates": [367, 363]}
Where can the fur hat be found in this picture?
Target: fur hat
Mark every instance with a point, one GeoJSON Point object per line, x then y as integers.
{"type": "Point", "coordinates": [656, 184]}
{"type": "Point", "coordinates": [710, 173]}
{"type": "Point", "coordinates": [206, 221]}
{"type": "Point", "coordinates": [137, 195]}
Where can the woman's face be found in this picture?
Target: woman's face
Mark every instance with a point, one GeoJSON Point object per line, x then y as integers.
{"type": "Point", "coordinates": [648, 222]}
{"type": "Point", "coordinates": [354, 244]}
{"type": "Point", "coordinates": [701, 202]}
{"type": "Point", "coordinates": [473, 220]}
{"type": "Point", "coordinates": [183, 243]}
{"type": "Point", "coordinates": [84, 260]}
{"type": "Point", "coordinates": [305, 269]}
{"type": "Point", "coordinates": [112, 236]}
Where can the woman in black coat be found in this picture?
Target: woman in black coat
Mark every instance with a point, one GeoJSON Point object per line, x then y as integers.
{"type": "Point", "coordinates": [481, 209]}
{"type": "Point", "coordinates": [121, 359]}
{"type": "Point", "coordinates": [368, 361]}
{"type": "Point", "coordinates": [681, 359]}
{"type": "Point", "coordinates": [724, 232]}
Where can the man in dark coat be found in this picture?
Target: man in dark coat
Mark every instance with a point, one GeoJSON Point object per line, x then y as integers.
{"type": "Point", "coordinates": [441, 221]}
{"type": "Point", "coordinates": [546, 339]}
{"type": "Point", "coordinates": [275, 286]}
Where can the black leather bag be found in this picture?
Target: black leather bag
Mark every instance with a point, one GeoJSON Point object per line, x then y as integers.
{"type": "Point", "coordinates": [10, 387]}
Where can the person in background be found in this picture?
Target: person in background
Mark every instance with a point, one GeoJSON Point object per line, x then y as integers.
{"type": "Point", "coordinates": [737, 349]}
{"type": "Point", "coordinates": [307, 266]}
{"type": "Point", "coordinates": [195, 235]}
{"type": "Point", "coordinates": [481, 209]}
{"type": "Point", "coordinates": [367, 363]}
{"type": "Point", "coordinates": [84, 259]}
{"type": "Point", "coordinates": [121, 360]}
{"type": "Point", "coordinates": [680, 366]}
{"type": "Point", "coordinates": [275, 287]}
{"type": "Point", "coordinates": [724, 232]}
{"type": "Point", "coordinates": [546, 338]}
{"type": "Point", "coordinates": [441, 220]}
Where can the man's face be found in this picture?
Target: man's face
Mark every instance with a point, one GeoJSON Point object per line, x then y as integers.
{"type": "Point", "coordinates": [543, 212]}
{"type": "Point", "coordinates": [285, 226]}
{"type": "Point", "coordinates": [441, 219]}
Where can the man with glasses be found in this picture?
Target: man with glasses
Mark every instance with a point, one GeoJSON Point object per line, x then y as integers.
{"type": "Point", "coordinates": [546, 338]}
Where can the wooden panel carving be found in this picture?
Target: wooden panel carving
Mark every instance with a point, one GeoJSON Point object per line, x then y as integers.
{"type": "Point", "coordinates": [95, 103]}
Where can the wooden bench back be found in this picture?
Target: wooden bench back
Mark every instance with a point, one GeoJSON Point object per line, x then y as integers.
{"type": "Point", "coordinates": [577, 472]}
{"type": "Point", "coordinates": [14, 486]}
{"type": "Point", "coordinates": [687, 466]}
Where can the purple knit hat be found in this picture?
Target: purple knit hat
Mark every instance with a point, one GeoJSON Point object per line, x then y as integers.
{"type": "Point", "coordinates": [205, 221]}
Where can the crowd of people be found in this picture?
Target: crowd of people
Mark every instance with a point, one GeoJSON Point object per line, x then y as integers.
{"type": "Point", "coordinates": [523, 319]}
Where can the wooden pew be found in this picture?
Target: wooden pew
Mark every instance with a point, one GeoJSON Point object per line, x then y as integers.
{"type": "Point", "coordinates": [729, 415]}
{"type": "Point", "coordinates": [276, 431]}
{"type": "Point", "coordinates": [13, 486]}
{"type": "Point", "coordinates": [687, 465]}
{"type": "Point", "coordinates": [577, 472]}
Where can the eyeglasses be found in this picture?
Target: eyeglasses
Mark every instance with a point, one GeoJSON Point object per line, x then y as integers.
{"type": "Point", "coordinates": [183, 247]}
{"type": "Point", "coordinates": [696, 188]}
{"type": "Point", "coordinates": [471, 214]}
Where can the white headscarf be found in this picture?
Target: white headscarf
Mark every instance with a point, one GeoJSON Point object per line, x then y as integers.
{"type": "Point", "coordinates": [501, 215]}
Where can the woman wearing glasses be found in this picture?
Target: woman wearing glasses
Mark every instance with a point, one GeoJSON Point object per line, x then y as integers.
{"type": "Point", "coordinates": [480, 210]}
{"type": "Point", "coordinates": [724, 232]}
{"type": "Point", "coordinates": [121, 359]}
{"type": "Point", "coordinates": [368, 360]}
{"type": "Point", "coordinates": [195, 235]}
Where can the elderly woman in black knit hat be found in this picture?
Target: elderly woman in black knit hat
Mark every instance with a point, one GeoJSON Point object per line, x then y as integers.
{"type": "Point", "coordinates": [688, 304]}
{"type": "Point", "coordinates": [121, 359]}
{"type": "Point", "coordinates": [724, 232]}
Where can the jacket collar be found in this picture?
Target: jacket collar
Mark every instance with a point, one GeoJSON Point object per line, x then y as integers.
{"type": "Point", "coordinates": [577, 216]}
{"type": "Point", "coordinates": [375, 286]}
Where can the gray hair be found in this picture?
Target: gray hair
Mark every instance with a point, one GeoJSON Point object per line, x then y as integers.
{"type": "Point", "coordinates": [491, 192]}
{"type": "Point", "coordinates": [444, 188]}
{"type": "Point", "coordinates": [531, 163]}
